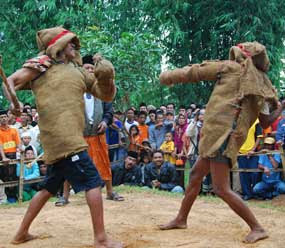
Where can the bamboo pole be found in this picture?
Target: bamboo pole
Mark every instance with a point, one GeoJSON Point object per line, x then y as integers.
{"type": "Point", "coordinates": [21, 178]}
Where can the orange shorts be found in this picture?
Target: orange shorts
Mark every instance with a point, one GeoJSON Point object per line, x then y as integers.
{"type": "Point", "coordinates": [98, 152]}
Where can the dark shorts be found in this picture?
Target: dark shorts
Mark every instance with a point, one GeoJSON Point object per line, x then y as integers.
{"type": "Point", "coordinates": [77, 169]}
{"type": "Point", "coordinates": [220, 158]}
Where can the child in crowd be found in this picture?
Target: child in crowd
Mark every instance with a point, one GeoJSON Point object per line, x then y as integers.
{"type": "Point", "coordinates": [145, 158]}
{"type": "Point", "coordinates": [26, 142]}
{"type": "Point", "coordinates": [31, 171]}
{"type": "Point", "coordinates": [134, 138]}
{"type": "Point", "coordinates": [168, 148]}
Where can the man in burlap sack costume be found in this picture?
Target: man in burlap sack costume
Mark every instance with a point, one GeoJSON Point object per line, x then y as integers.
{"type": "Point", "coordinates": [242, 94]}
{"type": "Point", "coordinates": [59, 83]}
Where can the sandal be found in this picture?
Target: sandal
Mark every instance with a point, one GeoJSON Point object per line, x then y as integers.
{"type": "Point", "coordinates": [61, 202]}
{"type": "Point", "coordinates": [115, 197]}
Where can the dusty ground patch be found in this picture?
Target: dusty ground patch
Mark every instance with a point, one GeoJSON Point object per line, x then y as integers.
{"type": "Point", "coordinates": [211, 223]}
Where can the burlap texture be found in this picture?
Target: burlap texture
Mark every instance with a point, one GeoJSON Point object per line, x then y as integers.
{"type": "Point", "coordinates": [105, 74]}
{"type": "Point", "coordinates": [44, 36]}
{"type": "Point", "coordinates": [239, 83]}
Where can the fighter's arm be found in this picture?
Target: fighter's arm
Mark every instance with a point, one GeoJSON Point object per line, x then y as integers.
{"type": "Point", "coordinates": [208, 70]}
{"type": "Point", "coordinates": [19, 79]}
{"type": "Point", "coordinates": [266, 119]}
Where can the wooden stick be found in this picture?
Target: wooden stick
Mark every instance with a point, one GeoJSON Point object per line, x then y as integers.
{"type": "Point", "coordinates": [14, 98]}
{"type": "Point", "coordinates": [35, 160]}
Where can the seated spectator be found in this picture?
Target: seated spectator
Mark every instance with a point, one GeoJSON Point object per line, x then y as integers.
{"type": "Point", "coordinates": [26, 141]}
{"type": "Point", "coordinates": [128, 172]}
{"type": "Point", "coordinates": [168, 148]}
{"type": "Point", "coordinates": [43, 169]}
{"type": "Point", "coordinates": [160, 174]}
{"type": "Point", "coordinates": [271, 184]}
{"type": "Point", "coordinates": [31, 171]}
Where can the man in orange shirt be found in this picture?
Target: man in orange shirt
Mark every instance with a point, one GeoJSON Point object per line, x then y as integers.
{"type": "Point", "coordinates": [143, 128]}
{"type": "Point", "coordinates": [9, 145]}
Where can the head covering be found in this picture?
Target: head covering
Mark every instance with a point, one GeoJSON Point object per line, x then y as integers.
{"type": "Point", "coordinates": [88, 59]}
{"type": "Point", "coordinates": [3, 112]}
{"type": "Point", "coordinates": [25, 134]}
{"type": "Point", "coordinates": [53, 40]}
{"type": "Point", "coordinates": [133, 154]}
{"type": "Point", "coordinates": [269, 140]}
{"type": "Point", "coordinates": [254, 50]}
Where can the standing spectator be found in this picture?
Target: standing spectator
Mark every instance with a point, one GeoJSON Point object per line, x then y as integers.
{"type": "Point", "coordinates": [163, 109]}
{"type": "Point", "coordinates": [113, 136]}
{"type": "Point", "coordinates": [25, 126]}
{"type": "Point", "coordinates": [31, 171]}
{"type": "Point", "coordinates": [130, 119]}
{"type": "Point", "coordinates": [143, 128]}
{"type": "Point", "coordinates": [34, 114]}
{"type": "Point", "coordinates": [170, 107]}
{"type": "Point", "coordinates": [168, 148]}
{"type": "Point", "coordinates": [151, 115]}
{"type": "Point", "coordinates": [280, 133]}
{"type": "Point", "coordinates": [247, 161]}
{"type": "Point", "coordinates": [271, 184]}
{"type": "Point", "coordinates": [128, 172]}
{"type": "Point", "coordinates": [26, 142]}
{"type": "Point", "coordinates": [145, 159]}
{"type": "Point", "coordinates": [161, 175]}
{"type": "Point", "coordinates": [157, 132]}
{"type": "Point", "coordinates": [179, 141]}
{"type": "Point", "coordinates": [134, 135]}
{"type": "Point", "coordinates": [143, 107]}
{"type": "Point", "coordinates": [9, 145]}
{"type": "Point", "coordinates": [182, 110]}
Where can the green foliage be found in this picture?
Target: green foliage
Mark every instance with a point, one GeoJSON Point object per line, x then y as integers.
{"type": "Point", "coordinates": [135, 35]}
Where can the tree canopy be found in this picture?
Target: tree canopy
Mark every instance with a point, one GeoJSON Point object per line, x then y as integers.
{"type": "Point", "coordinates": [139, 36]}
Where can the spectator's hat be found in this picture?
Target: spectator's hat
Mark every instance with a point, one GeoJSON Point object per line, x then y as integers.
{"type": "Point", "coordinates": [88, 59]}
{"type": "Point", "coordinates": [53, 40]}
{"type": "Point", "coordinates": [3, 112]}
{"type": "Point", "coordinates": [133, 154]}
{"type": "Point", "coordinates": [145, 141]}
{"type": "Point", "coordinates": [269, 141]}
{"type": "Point", "coordinates": [25, 134]}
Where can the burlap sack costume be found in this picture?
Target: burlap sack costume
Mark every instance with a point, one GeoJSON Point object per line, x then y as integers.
{"type": "Point", "coordinates": [241, 89]}
{"type": "Point", "coordinates": [59, 93]}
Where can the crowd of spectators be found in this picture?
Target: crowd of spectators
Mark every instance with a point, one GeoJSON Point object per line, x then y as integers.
{"type": "Point", "coordinates": [149, 146]}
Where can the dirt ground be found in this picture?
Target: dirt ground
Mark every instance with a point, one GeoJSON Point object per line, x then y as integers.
{"type": "Point", "coordinates": [211, 224]}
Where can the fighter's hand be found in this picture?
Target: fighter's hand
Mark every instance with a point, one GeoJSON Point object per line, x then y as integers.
{"type": "Point", "coordinates": [97, 57]}
{"type": "Point", "coordinates": [102, 127]}
{"type": "Point", "coordinates": [165, 79]}
{"type": "Point", "coordinates": [16, 111]}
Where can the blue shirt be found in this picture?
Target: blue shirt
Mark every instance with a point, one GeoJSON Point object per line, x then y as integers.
{"type": "Point", "coordinates": [274, 176]}
{"type": "Point", "coordinates": [112, 135]}
{"type": "Point", "coordinates": [29, 173]}
{"type": "Point", "coordinates": [157, 134]}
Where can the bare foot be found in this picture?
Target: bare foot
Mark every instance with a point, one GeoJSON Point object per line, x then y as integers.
{"type": "Point", "coordinates": [19, 239]}
{"type": "Point", "coordinates": [255, 235]}
{"type": "Point", "coordinates": [108, 244]}
{"type": "Point", "coordinates": [174, 224]}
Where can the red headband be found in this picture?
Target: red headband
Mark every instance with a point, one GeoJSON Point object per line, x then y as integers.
{"type": "Point", "coordinates": [245, 52]}
{"type": "Point", "coordinates": [64, 32]}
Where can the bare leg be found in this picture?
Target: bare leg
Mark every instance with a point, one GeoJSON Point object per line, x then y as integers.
{"type": "Point", "coordinates": [66, 190]}
{"type": "Point", "coordinates": [38, 201]}
{"type": "Point", "coordinates": [109, 187]}
{"type": "Point", "coordinates": [220, 175]}
{"type": "Point", "coordinates": [200, 169]}
{"type": "Point", "coordinates": [94, 200]}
